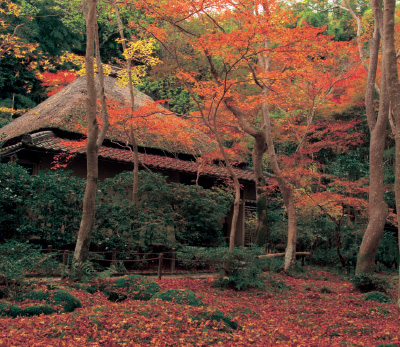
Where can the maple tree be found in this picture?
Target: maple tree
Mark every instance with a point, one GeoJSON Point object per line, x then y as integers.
{"type": "Point", "coordinates": [249, 51]}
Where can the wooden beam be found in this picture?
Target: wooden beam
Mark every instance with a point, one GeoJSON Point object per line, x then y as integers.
{"type": "Point", "coordinates": [279, 255]}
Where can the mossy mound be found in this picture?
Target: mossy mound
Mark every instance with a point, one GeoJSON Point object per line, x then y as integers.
{"type": "Point", "coordinates": [179, 296]}
{"type": "Point", "coordinates": [216, 316]}
{"type": "Point", "coordinates": [53, 301]}
{"type": "Point", "coordinates": [377, 296]}
{"type": "Point", "coordinates": [131, 287]}
{"type": "Point", "coordinates": [88, 288]}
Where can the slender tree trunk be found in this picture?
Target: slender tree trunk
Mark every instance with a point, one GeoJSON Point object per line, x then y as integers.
{"type": "Point", "coordinates": [89, 200]}
{"type": "Point", "coordinates": [286, 191]}
{"type": "Point", "coordinates": [262, 230]}
{"type": "Point", "coordinates": [389, 50]}
{"type": "Point", "coordinates": [378, 209]}
{"type": "Point", "coordinates": [236, 184]}
{"type": "Point", "coordinates": [132, 96]}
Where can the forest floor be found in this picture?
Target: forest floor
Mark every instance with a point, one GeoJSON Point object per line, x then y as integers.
{"type": "Point", "coordinates": [315, 308]}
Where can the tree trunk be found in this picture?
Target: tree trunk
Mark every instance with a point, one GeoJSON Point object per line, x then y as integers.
{"type": "Point", "coordinates": [132, 96]}
{"type": "Point", "coordinates": [285, 188]}
{"type": "Point", "coordinates": [378, 208]}
{"type": "Point", "coordinates": [262, 230]}
{"type": "Point", "coordinates": [389, 50]}
{"type": "Point", "coordinates": [89, 201]}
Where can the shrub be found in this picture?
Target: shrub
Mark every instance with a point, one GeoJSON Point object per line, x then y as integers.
{"type": "Point", "coordinates": [88, 288]}
{"type": "Point", "coordinates": [53, 302]}
{"type": "Point", "coordinates": [36, 310]}
{"type": "Point", "coordinates": [15, 187]}
{"type": "Point", "coordinates": [53, 208]}
{"type": "Point", "coordinates": [239, 269]}
{"type": "Point", "coordinates": [59, 298]}
{"type": "Point", "coordinates": [18, 259]}
{"type": "Point", "coordinates": [368, 283]}
{"type": "Point", "coordinates": [377, 296]}
{"type": "Point", "coordinates": [9, 309]}
{"type": "Point", "coordinates": [179, 296]}
{"type": "Point", "coordinates": [276, 285]}
{"type": "Point", "coordinates": [191, 213]}
{"type": "Point", "coordinates": [193, 257]}
{"type": "Point", "coordinates": [66, 300]}
{"type": "Point", "coordinates": [131, 287]}
{"type": "Point", "coordinates": [218, 316]}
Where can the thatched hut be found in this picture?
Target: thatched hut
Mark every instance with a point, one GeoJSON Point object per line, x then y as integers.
{"type": "Point", "coordinates": [57, 125]}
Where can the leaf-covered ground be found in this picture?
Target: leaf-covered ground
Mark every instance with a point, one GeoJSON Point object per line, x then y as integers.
{"type": "Point", "coordinates": [287, 312]}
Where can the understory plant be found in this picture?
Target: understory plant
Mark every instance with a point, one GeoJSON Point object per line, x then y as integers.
{"type": "Point", "coordinates": [238, 269]}
{"type": "Point", "coordinates": [18, 259]}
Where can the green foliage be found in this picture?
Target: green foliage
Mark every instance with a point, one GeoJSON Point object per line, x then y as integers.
{"type": "Point", "coordinates": [166, 213]}
{"type": "Point", "coordinates": [66, 300]}
{"type": "Point", "coordinates": [15, 186]}
{"type": "Point", "coordinates": [239, 269]}
{"type": "Point", "coordinates": [178, 98]}
{"type": "Point", "coordinates": [179, 296]}
{"type": "Point", "coordinates": [54, 208]}
{"type": "Point", "coordinates": [16, 260]}
{"type": "Point", "coordinates": [36, 310]}
{"type": "Point", "coordinates": [62, 298]}
{"type": "Point", "coordinates": [48, 206]}
{"type": "Point", "coordinates": [9, 309]}
{"type": "Point", "coordinates": [88, 288]}
{"type": "Point", "coordinates": [388, 251]}
{"type": "Point", "coordinates": [190, 257]}
{"type": "Point", "coordinates": [377, 296]}
{"type": "Point", "coordinates": [60, 301]}
{"type": "Point", "coordinates": [130, 287]}
{"type": "Point", "coordinates": [217, 316]}
{"type": "Point", "coordinates": [369, 283]}
{"type": "Point", "coordinates": [273, 265]}
{"type": "Point", "coordinates": [276, 285]}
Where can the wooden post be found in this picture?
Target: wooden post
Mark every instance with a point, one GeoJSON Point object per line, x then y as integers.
{"type": "Point", "coordinates": [49, 248]}
{"type": "Point", "coordinates": [160, 264]}
{"type": "Point", "coordinates": [114, 256]}
{"type": "Point", "coordinates": [65, 258]}
{"type": "Point", "coordinates": [173, 260]}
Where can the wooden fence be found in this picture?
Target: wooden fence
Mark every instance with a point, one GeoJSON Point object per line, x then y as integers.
{"type": "Point", "coordinates": [156, 258]}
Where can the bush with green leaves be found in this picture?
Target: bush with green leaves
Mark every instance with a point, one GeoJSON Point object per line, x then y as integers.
{"type": "Point", "coordinates": [190, 257]}
{"type": "Point", "coordinates": [53, 301]}
{"type": "Point", "coordinates": [179, 296]}
{"type": "Point", "coordinates": [368, 283]}
{"type": "Point", "coordinates": [48, 206]}
{"type": "Point", "coordinates": [59, 298]}
{"type": "Point", "coordinates": [54, 207]}
{"type": "Point", "coordinates": [239, 269]}
{"type": "Point", "coordinates": [377, 296]}
{"type": "Point", "coordinates": [388, 251]}
{"type": "Point", "coordinates": [18, 259]}
{"type": "Point", "coordinates": [15, 190]}
{"type": "Point", "coordinates": [211, 315]}
{"type": "Point", "coordinates": [167, 212]}
{"type": "Point", "coordinates": [133, 287]}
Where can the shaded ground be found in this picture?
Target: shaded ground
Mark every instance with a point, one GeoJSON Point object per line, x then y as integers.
{"type": "Point", "coordinates": [324, 311]}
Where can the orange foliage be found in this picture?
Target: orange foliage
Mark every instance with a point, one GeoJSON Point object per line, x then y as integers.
{"type": "Point", "coordinates": [56, 81]}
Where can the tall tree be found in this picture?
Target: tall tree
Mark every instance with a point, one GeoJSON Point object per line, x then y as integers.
{"type": "Point", "coordinates": [391, 70]}
{"type": "Point", "coordinates": [95, 136]}
{"type": "Point", "coordinates": [377, 123]}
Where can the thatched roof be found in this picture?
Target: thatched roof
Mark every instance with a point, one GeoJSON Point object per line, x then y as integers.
{"type": "Point", "coordinates": [67, 108]}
